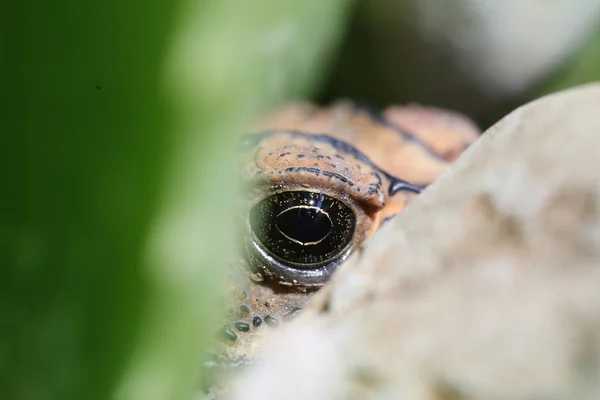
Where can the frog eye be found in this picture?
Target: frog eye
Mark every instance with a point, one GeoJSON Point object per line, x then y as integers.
{"type": "Point", "coordinates": [305, 230]}
{"type": "Point", "coordinates": [302, 235]}
{"type": "Point", "coordinates": [308, 202]}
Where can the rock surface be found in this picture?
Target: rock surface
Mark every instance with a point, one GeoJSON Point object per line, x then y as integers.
{"type": "Point", "coordinates": [486, 287]}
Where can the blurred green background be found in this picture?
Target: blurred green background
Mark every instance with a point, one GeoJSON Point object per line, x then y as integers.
{"type": "Point", "coordinates": [118, 121]}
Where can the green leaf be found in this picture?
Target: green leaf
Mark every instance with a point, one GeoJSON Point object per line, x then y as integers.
{"type": "Point", "coordinates": [119, 121]}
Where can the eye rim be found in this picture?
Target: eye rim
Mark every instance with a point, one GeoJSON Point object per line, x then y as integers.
{"type": "Point", "coordinates": [284, 273]}
{"type": "Point", "coordinates": [264, 224]}
{"type": "Point", "coordinates": [287, 275]}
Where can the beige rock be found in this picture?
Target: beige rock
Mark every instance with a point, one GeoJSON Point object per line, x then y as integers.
{"type": "Point", "coordinates": [486, 287]}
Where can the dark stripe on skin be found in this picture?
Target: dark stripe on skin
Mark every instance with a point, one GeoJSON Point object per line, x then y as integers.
{"type": "Point", "coordinates": [251, 140]}
{"type": "Point", "coordinates": [307, 169]}
{"type": "Point", "coordinates": [375, 187]}
{"type": "Point", "coordinates": [377, 115]}
{"type": "Point", "coordinates": [396, 185]}
{"type": "Point", "coordinates": [377, 176]}
{"type": "Point", "coordinates": [336, 175]}
{"type": "Point", "coordinates": [400, 185]}
{"type": "Point", "coordinates": [320, 157]}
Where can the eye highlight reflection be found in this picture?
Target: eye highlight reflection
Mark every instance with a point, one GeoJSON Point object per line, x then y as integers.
{"type": "Point", "coordinates": [303, 229]}
{"type": "Point", "coordinates": [310, 200]}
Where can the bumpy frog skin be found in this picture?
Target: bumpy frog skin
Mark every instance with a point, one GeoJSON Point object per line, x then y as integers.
{"type": "Point", "coordinates": [372, 162]}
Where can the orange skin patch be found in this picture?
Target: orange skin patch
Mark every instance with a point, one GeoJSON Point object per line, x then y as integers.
{"type": "Point", "coordinates": [345, 152]}
{"type": "Point", "coordinates": [414, 143]}
{"type": "Point", "coordinates": [301, 161]}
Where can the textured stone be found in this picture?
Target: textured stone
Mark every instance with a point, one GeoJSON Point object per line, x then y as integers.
{"type": "Point", "coordinates": [485, 287]}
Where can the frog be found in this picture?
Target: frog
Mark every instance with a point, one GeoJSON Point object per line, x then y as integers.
{"type": "Point", "coordinates": [317, 183]}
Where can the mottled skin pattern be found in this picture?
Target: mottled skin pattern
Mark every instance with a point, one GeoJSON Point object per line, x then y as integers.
{"type": "Point", "coordinates": [375, 162]}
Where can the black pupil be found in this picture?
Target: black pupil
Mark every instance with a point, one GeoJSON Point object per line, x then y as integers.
{"type": "Point", "coordinates": [305, 224]}
{"type": "Point", "coordinates": [304, 229]}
